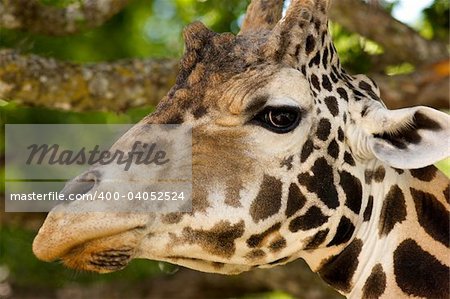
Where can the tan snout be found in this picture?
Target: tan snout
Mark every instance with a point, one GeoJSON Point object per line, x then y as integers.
{"type": "Point", "coordinates": [63, 231]}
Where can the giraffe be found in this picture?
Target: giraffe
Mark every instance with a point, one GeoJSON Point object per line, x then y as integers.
{"type": "Point", "coordinates": [292, 158]}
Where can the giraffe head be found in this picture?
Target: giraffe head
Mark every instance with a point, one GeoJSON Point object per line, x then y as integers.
{"type": "Point", "coordinates": [282, 136]}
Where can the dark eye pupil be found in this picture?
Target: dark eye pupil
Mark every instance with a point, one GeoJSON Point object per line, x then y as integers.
{"type": "Point", "coordinates": [278, 119]}
{"type": "Point", "coordinates": [281, 119]}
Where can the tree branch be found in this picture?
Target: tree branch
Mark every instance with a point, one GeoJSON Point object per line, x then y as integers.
{"type": "Point", "coordinates": [399, 40]}
{"type": "Point", "coordinates": [428, 86]}
{"type": "Point", "coordinates": [37, 81]}
{"type": "Point", "coordinates": [33, 16]}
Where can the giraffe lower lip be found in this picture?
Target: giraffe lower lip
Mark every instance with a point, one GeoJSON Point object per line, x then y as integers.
{"type": "Point", "coordinates": [105, 254]}
{"type": "Point", "coordinates": [87, 257]}
{"type": "Point", "coordinates": [110, 262]}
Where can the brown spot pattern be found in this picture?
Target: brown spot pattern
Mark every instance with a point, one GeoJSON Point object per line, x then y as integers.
{"type": "Point", "coordinates": [268, 200]}
{"type": "Point", "coordinates": [296, 200]}
{"type": "Point", "coordinates": [219, 240]}
{"type": "Point", "coordinates": [333, 149]}
{"type": "Point", "coordinates": [353, 191]}
{"type": "Point", "coordinates": [418, 273]}
{"type": "Point", "coordinates": [344, 232]}
{"type": "Point", "coordinates": [432, 216]}
{"type": "Point", "coordinates": [340, 134]}
{"type": "Point", "coordinates": [368, 210]}
{"type": "Point", "coordinates": [255, 254]}
{"type": "Point", "coordinates": [426, 174]}
{"type": "Point", "coordinates": [321, 183]}
{"type": "Point", "coordinates": [393, 210]}
{"type": "Point", "coordinates": [348, 158]}
{"type": "Point", "coordinates": [338, 271]}
{"type": "Point", "coordinates": [311, 219]}
{"type": "Point", "coordinates": [278, 244]}
{"type": "Point", "coordinates": [307, 149]}
{"type": "Point", "coordinates": [256, 240]}
{"type": "Point", "coordinates": [323, 129]}
{"type": "Point", "coordinates": [375, 284]}
{"type": "Point", "coordinates": [310, 44]}
{"type": "Point", "coordinates": [368, 175]}
{"type": "Point", "coordinates": [399, 171]}
{"type": "Point", "coordinates": [172, 218]}
{"type": "Point", "coordinates": [316, 240]}
{"type": "Point", "coordinates": [379, 174]}
{"type": "Point", "coordinates": [287, 162]}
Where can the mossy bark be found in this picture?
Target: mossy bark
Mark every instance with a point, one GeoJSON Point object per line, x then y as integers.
{"type": "Point", "coordinates": [399, 40]}
{"type": "Point", "coordinates": [33, 16]}
{"type": "Point", "coordinates": [37, 81]}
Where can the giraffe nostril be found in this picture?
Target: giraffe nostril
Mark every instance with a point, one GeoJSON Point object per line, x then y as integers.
{"type": "Point", "coordinates": [81, 184]}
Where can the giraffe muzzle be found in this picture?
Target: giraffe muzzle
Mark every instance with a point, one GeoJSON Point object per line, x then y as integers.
{"type": "Point", "coordinates": [65, 233]}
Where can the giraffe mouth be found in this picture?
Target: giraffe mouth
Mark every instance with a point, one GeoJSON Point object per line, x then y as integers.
{"type": "Point", "coordinates": [104, 261]}
{"type": "Point", "coordinates": [112, 259]}
{"type": "Point", "coordinates": [106, 239]}
{"type": "Point", "coordinates": [103, 255]}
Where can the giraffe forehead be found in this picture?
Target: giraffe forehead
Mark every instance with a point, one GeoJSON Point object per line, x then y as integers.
{"type": "Point", "coordinates": [236, 93]}
{"type": "Point", "coordinates": [223, 54]}
{"type": "Point", "coordinates": [208, 78]}
{"type": "Point", "coordinates": [275, 86]}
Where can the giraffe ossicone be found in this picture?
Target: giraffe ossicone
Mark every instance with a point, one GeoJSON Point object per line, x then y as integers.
{"type": "Point", "coordinates": [292, 158]}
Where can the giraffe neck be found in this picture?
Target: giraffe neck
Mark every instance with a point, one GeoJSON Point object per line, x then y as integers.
{"type": "Point", "coordinates": [400, 246]}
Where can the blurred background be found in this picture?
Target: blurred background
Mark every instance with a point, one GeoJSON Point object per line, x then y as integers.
{"type": "Point", "coordinates": [62, 63]}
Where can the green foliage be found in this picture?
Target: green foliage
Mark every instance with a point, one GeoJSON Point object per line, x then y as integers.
{"type": "Point", "coordinates": [121, 37]}
{"type": "Point", "coordinates": [437, 20]}
{"type": "Point", "coordinates": [145, 28]}
{"type": "Point", "coordinates": [16, 255]}
{"type": "Point", "coordinates": [14, 114]}
{"type": "Point", "coordinates": [152, 28]}
{"type": "Point", "coordinates": [269, 295]}
{"type": "Point", "coordinates": [403, 68]}
{"type": "Point", "coordinates": [444, 166]}
{"type": "Point", "coordinates": [220, 16]}
{"type": "Point", "coordinates": [351, 49]}
{"type": "Point", "coordinates": [58, 3]}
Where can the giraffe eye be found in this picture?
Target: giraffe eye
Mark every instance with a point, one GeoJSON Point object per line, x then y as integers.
{"type": "Point", "coordinates": [278, 119]}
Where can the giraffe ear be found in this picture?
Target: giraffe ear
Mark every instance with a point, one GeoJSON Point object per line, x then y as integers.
{"type": "Point", "coordinates": [409, 138]}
